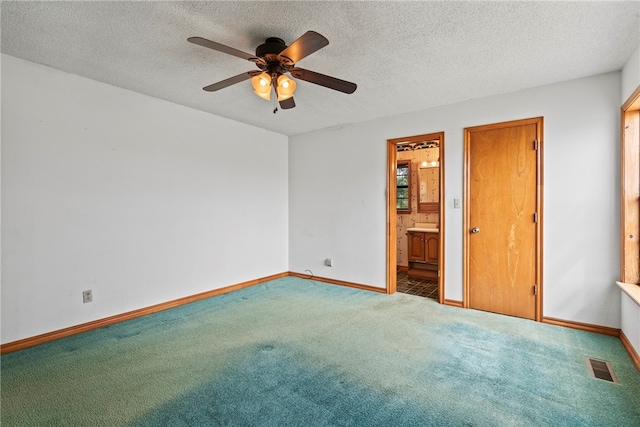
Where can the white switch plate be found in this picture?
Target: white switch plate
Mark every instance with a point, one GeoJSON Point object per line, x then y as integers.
{"type": "Point", "coordinates": [456, 203]}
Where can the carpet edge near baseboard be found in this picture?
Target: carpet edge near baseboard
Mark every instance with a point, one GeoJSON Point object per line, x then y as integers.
{"type": "Point", "coordinates": [84, 327]}
{"type": "Point", "coordinates": [635, 357]}
{"type": "Point", "coordinates": [338, 282]}
{"type": "Point", "coordinates": [99, 323]}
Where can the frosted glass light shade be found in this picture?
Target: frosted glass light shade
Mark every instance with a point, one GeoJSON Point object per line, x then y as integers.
{"type": "Point", "coordinates": [262, 85]}
{"type": "Point", "coordinates": [286, 87]}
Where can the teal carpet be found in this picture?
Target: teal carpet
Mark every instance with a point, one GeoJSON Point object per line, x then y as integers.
{"type": "Point", "coordinates": [293, 352]}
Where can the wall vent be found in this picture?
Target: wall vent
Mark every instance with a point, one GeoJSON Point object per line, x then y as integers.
{"type": "Point", "coordinates": [601, 369]}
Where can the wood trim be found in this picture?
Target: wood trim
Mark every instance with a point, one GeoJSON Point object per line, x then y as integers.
{"type": "Point", "coordinates": [428, 207]}
{"type": "Point", "coordinates": [540, 228]}
{"type": "Point", "coordinates": [407, 162]}
{"type": "Point", "coordinates": [84, 327]}
{"type": "Point", "coordinates": [604, 330]}
{"type": "Point", "coordinates": [635, 357]}
{"type": "Point", "coordinates": [392, 219]}
{"type": "Point", "coordinates": [630, 189]}
{"type": "Point", "coordinates": [338, 282]}
{"type": "Point", "coordinates": [466, 180]}
{"type": "Point", "coordinates": [441, 216]}
{"type": "Point", "coordinates": [633, 102]}
{"type": "Point", "coordinates": [539, 122]}
{"type": "Point", "coordinates": [453, 303]}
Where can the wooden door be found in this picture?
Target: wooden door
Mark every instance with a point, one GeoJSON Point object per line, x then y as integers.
{"type": "Point", "coordinates": [502, 250]}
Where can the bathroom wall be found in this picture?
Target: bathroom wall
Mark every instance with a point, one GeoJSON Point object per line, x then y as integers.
{"type": "Point", "coordinates": [409, 220]}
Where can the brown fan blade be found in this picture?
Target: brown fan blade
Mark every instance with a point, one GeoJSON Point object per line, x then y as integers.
{"type": "Point", "coordinates": [287, 103]}
{"type": "Point", "coordinates": [323, 80]}
{"type": "Point", "coordinates": [222, 48]}
{"type": "Point", "coordinates": [308, 43]}
{"type": "Point", "coordinates": [231, 81]}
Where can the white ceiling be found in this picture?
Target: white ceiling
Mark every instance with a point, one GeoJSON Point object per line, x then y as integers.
{"type": "Point", "coordinates": [404, 56]}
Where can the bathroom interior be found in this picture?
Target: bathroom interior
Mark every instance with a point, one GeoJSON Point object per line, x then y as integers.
{"type": "Point", "coordinates": [418, 217]}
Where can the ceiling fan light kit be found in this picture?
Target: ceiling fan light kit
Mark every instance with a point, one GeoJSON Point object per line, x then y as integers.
{"type": "Point", "coordinates": [275, 59]}
{"type": "Point", "coordinates": [262, 85]}
{"type": "Point", "coordinates": [285, 88]}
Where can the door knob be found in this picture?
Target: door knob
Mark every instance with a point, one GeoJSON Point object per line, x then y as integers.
{"type": "Point", "coordinates": [475, 230]}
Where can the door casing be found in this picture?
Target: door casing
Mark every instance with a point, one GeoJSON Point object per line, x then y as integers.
{"type": "Point", "coordinates": [392, 217]}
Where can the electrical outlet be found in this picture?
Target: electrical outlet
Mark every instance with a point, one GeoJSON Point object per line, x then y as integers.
{"type": "Point", "coordinates": [87, 296]}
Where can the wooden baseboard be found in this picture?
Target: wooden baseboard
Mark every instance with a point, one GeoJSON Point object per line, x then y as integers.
{"type": "Point", "coordinates": [605, 330]}
{"type": "Point", "coordinates": [338, 282]}
{"type": "Point", "coordinates": [402, 268]}
{"type": "Point", "coordinates": [453, 303]}
{"type": "Point", "coordinates": [84, 327]}
{"type": "Point", "coordinates": [632, 351]}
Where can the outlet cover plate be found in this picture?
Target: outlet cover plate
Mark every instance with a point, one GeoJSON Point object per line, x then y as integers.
{"type": "Point", "coordinates": [87, 296]}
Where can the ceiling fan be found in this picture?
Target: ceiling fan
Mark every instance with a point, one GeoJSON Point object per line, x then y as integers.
{"type": "Point", "coordinates": [274, 59]}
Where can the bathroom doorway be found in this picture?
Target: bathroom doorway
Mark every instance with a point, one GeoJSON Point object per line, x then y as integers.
{"type": "Point", "coordinates": [415, 215]}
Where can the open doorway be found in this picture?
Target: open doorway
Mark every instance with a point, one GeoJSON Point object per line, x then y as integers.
{"type": "Point", "coordinates": [415, 215]}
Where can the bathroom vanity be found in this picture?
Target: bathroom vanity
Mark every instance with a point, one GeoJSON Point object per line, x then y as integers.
{"type": "Point", "coordinates": [423, 247]}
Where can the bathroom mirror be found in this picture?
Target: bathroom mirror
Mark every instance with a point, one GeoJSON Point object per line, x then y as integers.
{"type": "Point", "coordinates": [429, 189]}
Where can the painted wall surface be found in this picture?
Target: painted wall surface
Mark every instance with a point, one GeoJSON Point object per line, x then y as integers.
{"type": "Point", "coordinates": [631, 74]}
{"type": "Point", "coordinates": [630, 311]}
{"type": "Point", "coordinates": [630, 323]}
{"type": "Point", "coordinates": [140, 200]}
{"type": "Point", "coordinates": [337, 182]}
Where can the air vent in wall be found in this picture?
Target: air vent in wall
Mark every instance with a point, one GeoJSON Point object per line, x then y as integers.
{"type": "Point", "coordinates": [601, 369]}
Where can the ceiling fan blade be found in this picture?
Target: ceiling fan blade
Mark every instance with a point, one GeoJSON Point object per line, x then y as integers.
{"type": "Point", "coordinates": [323, 80]}
{"type": "Point", "coordinates": [287, 103]}
{"type": "Point", "coordinates": [308, 43]}
{"type": "Point", "coordinates": [222, 48]}
{"type": "Point", "coordinates": [231, 81]}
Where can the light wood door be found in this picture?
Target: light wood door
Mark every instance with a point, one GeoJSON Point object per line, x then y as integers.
{"type": "Point", "coordinates": [501, 251]}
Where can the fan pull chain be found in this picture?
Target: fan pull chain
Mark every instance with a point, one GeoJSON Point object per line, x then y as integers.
{"type": "Point", "coordinates": [275, 106]}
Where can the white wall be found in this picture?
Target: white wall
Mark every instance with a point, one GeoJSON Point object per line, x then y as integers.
{"type": "Point", "coordinates": [140, 200]}
{"type": "Point", "coordinates": [631, 74]}
{"type": "Point", "coordinates": [630, 311]}
{"type": "Point", "coordinates": [337, 193]}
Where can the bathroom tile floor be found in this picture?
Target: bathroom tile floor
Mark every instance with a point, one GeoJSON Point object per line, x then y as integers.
{"type": "Point", "coordinates": [416, 286]}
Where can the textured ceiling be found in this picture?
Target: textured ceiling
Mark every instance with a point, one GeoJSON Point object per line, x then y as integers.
{"type": "Point", "coordinates": [404, 56]}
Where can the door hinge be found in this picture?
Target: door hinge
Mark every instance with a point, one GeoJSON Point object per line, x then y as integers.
{"type": "Point", "coordinates": [535, 145]}
{"type": "Point", "coordinates": [535, 217]}
{"type": "Point", "coordinates": [438, 273]}
{"type": "Point", "coordinates": [535, 289]}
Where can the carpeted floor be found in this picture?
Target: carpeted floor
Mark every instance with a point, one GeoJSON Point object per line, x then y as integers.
{"type": "Point", "coordinates": [294, 352]}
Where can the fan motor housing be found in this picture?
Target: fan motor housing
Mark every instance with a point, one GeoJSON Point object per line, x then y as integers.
{"type": "Point", "coordinates": [271, 47]}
